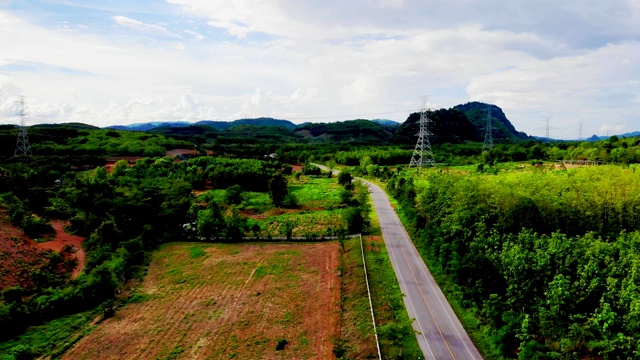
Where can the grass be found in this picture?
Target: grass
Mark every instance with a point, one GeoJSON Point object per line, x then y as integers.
{"type": "Point", "coordinates": [356, 329]}
{"type": "Point", "coordinates": [316, 192]}
{"type": "Point", "coordinates": [52, 338]}
{"type": "Point", "coordinates": [388, 305]}
{"type": "Point", "coordinates": [305, 222]}
{"type": "Point", "coordinates": [318, 211]}
{"type": "Point", "coordinates": [196, 252]}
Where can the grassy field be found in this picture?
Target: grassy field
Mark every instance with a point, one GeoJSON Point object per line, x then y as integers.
{"type": "Point", "coordinates": [52, 338]}
{"type": "Point", "coordinates": [242, 301]}
{"type": "Point", "coordinates": [318, 211]}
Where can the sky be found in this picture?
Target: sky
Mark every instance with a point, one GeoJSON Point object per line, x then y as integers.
{"type": "Point", "coordinates": [574, 62]}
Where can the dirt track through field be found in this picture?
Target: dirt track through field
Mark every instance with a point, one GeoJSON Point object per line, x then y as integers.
{"type": "Point", "coordinates": [63, 239]}
{"type": "Point", "coordinates": [235, 301]}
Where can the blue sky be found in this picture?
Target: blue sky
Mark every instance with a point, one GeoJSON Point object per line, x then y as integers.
{"type": "Point", "coordinates": [116, 62]}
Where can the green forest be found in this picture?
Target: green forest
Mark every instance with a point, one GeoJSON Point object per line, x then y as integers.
{"type": "Point", "coordinates": [546, 259]}
{"type": "Point", "coordinates": [541, 255]}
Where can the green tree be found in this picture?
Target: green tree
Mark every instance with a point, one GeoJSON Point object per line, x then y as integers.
{"type": "Point", "coordinates": [233, 195]}
{"type": "Point", "coordinates": [278, 190]}
{"type": "Point", "coordinates": [344, 178]}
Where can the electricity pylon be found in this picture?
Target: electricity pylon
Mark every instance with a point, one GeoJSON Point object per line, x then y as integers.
{"type": "Point", "coordinates": [422, 154]}
{"type": "Point", "coordinates": [488, 136]}
{"type": "Point", "coordinates": [22, 144]}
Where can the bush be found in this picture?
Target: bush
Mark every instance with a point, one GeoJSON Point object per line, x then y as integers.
{"type": "Point", "coordinates": [281, 344]}
{"type": "Point", "coordinates": [344, 178]}
{"type": "Point", "coordinates": [233, 195]}
{"type": "Point", "coordinates": [35, 227]}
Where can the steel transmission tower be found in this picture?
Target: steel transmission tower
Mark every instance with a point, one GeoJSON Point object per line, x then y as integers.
{"type": "Point", "coordinates": [22, 144]}
{"type": "Point", "coordinates": [422, 154]}
{"type": "Point", "coordinates": [580, 133]}
{"type": "Point", "coordinates": [488, 137]}
{"type": "Point", "coordinates": [547, 130]}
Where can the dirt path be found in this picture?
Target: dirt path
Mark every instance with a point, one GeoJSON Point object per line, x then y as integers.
{"type": "Point", "coordinates": [63, 239]}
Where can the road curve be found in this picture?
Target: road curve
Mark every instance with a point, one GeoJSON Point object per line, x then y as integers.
{"type": "Point", "coordinates": [438, 330]}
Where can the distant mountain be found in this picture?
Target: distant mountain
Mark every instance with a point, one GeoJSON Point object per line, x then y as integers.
{"type": "Point", "coordinates": [386, 122]}
{"type": "Point", "coordinates": [149, 125]}
{"type": "Point", "coordinates": [630, 134]}
{"type": "Point", "coordinates": [363, 131]}
{"type": "Point", "coordinates": [263, 121]}
{"type": "Point", "coordinates": [448, 126]}
{"type": "Point", "coordinates": [77, 126]}
{"type": "Point", "coordinates": [219, 125]}
{"type": "Point", "coordinates": [503, 130]}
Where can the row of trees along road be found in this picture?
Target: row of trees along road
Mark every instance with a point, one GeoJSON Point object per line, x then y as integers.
{"type": "Point", "coordinates": [548, 261]}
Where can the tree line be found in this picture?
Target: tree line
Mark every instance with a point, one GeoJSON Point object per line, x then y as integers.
{"type": "Point", "coordinates": [546, 260]}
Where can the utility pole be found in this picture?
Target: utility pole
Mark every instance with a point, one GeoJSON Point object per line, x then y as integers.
{"type": "Point", "coordinates": [488, 137]}
{"type": "Point", "coordinates": [22, 144]}
{"type": "Point", "coordinates": [422, 154]}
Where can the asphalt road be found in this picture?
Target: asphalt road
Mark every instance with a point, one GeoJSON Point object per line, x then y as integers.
{"type": "Point", "coordinates": [438, 330]}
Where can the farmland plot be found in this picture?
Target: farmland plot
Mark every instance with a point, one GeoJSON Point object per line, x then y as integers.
{"type": "Point", "coordinates": [245, 301]}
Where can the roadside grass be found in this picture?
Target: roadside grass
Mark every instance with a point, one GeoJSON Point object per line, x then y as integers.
{"type": "Point", "coordinates": [51, 339]}
{"type": "Point", "coordinates": [357, 340]}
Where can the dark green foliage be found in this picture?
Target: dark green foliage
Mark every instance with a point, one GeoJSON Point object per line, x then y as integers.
{"type": "Point", "coordinates": [503, 130]}
{"type": "Point", "coordinates": [278, 190]}
{"type": "Point", "coordinates": [449, 126]}
{"type": "Point", "coordinates": [281, 344]}
{"type": "Point", "coordinates": [550, 273]}
{"type": "Point", "coordinates": [344, 178]}
{"type": "Point", "coordinates": [359, 131]}
{"type": "Point", "coordinates": [310, 169]}
{"type": "Point", "coordinates": [251, 175]}
{"type": "Point", "coordinates": [233, 195]}
{"type": "Point", "coordinates": [355, 220]}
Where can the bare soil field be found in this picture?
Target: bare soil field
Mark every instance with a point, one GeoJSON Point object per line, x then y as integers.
{"type": "Point", "coordinates": [223, 301]}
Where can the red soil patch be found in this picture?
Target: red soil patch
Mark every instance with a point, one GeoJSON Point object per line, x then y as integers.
{"type": "Point", "coordinates": [111, 161]}
{"type": "Point", "coordinates": [296, 167]}
{"type": "Point", "coordinates": [63, 239]}
{"type": "Point", "coordinates": [20, 256]}
{"type": "Point", "coordinates": [176, 152]}
{"type": "Point", "coordinates": [235, 301]}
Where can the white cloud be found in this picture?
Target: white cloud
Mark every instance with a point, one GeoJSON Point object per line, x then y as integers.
{"type": "Point", "coordinates": [195, 35]}
{"type": "Point", "coordinates": [149, 29]}
{"type": "Point", "coordinates": [300, 60]}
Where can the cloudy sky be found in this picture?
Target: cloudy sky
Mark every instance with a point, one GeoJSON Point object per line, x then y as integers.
{"type": "Point", "coordinates": [117, 62]}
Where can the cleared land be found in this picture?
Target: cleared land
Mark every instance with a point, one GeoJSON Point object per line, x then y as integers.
{"type": "Point", "coordinates": [21, 257]}
{"type": "Point", "coordinates": [227, 301]}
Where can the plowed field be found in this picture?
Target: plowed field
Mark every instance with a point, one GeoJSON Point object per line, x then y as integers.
{"type": "Point", "coordinates": [217, 301]}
